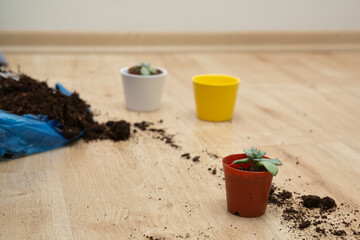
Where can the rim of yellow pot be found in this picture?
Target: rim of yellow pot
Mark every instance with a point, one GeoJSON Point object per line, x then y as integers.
{"type": "Point", "coordinates": [216, 80]}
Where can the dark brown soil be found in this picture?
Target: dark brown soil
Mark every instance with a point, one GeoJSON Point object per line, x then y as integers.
{"type": "Point", "coordinates": [320, 230]}
{"type": "Point", "coordinates": [186, 155]}
{"type": "Point", "coordinates": [304, 224]}
{"type": "Point", "coordinates": [154, 238]}
{"type": "Point", "coordinates": [29, 96]}
{"type": "Point", "coordinates": [213, 171]}
{"type": "Point", "coordinates": [285, 194]}
{"type": "Point", "coordinates": [261, 169]}
{"type": "Point", "coordinates": [279, 198]}
{"type": "Point", "coordinates": [212, 155]}
{"type": "Point", "coordinates": [143, 125]}
{"type": "Point", "coordinates": [312, 201]}
{"type": "Point", "coordinates": [158, 133]}
{"type": "Point", "coordinates": [136, 70]}
{"type": "Point", "coordinates": [313, 216]}
{"type": "Point", "coordinates": [115, 131]}
{"type": "Point", "coordinates": [327, 203]}
{"type": "Point", "coordinates": [339, 233]}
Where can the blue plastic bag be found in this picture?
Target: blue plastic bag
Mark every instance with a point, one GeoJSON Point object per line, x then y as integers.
{"type": "Point", "coordinates": [3, 61]}
{"type": "Point", "coordinates": [28, 134]}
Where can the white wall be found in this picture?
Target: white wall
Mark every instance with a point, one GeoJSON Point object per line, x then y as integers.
{"type": "Point", "coordinates": [180, 15]}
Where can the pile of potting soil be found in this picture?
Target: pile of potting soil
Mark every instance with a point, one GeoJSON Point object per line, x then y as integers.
{"type": "Point", "coordinates": [20, 94]}
{"type": "Point", "coordinates": [313, 216]}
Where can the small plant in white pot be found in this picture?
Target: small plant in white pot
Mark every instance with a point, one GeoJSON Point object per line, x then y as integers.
{"type": "Point", "coordinates": [143, 85]}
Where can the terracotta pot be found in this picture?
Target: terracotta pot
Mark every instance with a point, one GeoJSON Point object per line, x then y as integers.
{"type": "Point", "coordinates": [247, 192]}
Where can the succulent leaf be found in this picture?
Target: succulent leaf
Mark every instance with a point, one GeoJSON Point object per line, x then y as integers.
{"type": "Point", "coordinates": [247, 152]}
{"type": "Point", "coordinates": [261, 154]}
{"type": "Point", "coordinates": [257, 158]}
{"type": "Point", "coordinates": [144, 68]}
{"type": "Point", "coordinates": [152, 69]}
{"type": "Point", "coordinates": [241, 161]}
{"type": "Point", "coordinates": [144, 71]}
{"type": "Point", "coordinates": [274, 161]}
{"type": "Point", "coordinates": [272, 168]}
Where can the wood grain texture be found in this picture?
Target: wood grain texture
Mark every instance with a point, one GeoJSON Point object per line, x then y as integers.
{"type": "Point", "coordinates": [110, 42]}
{"type": "Point", "coordinates": [300, 107]}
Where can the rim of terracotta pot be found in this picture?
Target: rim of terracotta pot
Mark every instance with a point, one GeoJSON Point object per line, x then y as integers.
{"type": "Point", "coordinates": [239, 171]}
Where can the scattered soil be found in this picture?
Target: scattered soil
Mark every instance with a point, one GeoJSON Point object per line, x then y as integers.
{"type": "Point", "coordinates": [304, 224]}
{"type": "Point", "coordinates": [320, 230]}
{"type": "Point", "coordinates": [21, 94]}
{"type": "Point", "coordinates": [279, 198]}
{"type": "Point", "coordinates": [327, 203]}
{"type": "Point", "coordinates": [312, 215]}
{"type": "Point", "coordinates": [158, 133]}
{"type": "Point", "coordinates": [212, 155]}
{"type": "Point", "coordinates": [186, 155]}
{"type": "Point", "coordinates": [154, 238]}
{"type": "Point", "coordinates": [143, 125]}
{"type": "Point", "coordinates": [115, 131]}
{"type": "Point", "coordinates": [339, 233]}
{"type": "Point", "coordinates": [311, 201]}
{"type": "Point", "coordinates": [136, 70]}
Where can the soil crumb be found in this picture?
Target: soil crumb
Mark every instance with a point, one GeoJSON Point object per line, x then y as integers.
{"type": "Point", "coordinates": [186, 155]}
{"type": "Point", "coordinates": [311, 201]}
{"type": "Point", "coordinates": [327, 203]}
{"type": "Point", "coordinates": [212, 155]}
{"type": "Point", "coordinates": [143, 125]}
{"type": "Point", "coordinates": [154, 238]}
{"type": "Point", "coordinates": [304, 224]}
{"type": "Point", "coordinates": [196, 159]}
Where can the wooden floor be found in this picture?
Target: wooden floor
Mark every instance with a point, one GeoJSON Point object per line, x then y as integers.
{"type": "Point", "coordinates": [299, 107]}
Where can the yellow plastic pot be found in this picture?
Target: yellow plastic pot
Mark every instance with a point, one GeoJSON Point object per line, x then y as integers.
{"type": "Point", "coordinates": [215, 96]}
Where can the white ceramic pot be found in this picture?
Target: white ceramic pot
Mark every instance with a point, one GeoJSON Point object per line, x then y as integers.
{"type": "Point", "coordinates": [143, 93]}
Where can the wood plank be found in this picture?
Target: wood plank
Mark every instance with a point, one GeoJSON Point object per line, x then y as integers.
{"type": "Point", "coordinates": [33, 204]}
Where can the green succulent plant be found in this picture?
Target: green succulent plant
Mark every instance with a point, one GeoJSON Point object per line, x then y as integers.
{"type": "Point", "coordinates": [257, 158]}
{"type": "Point", "coordinates": [146, 68]}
